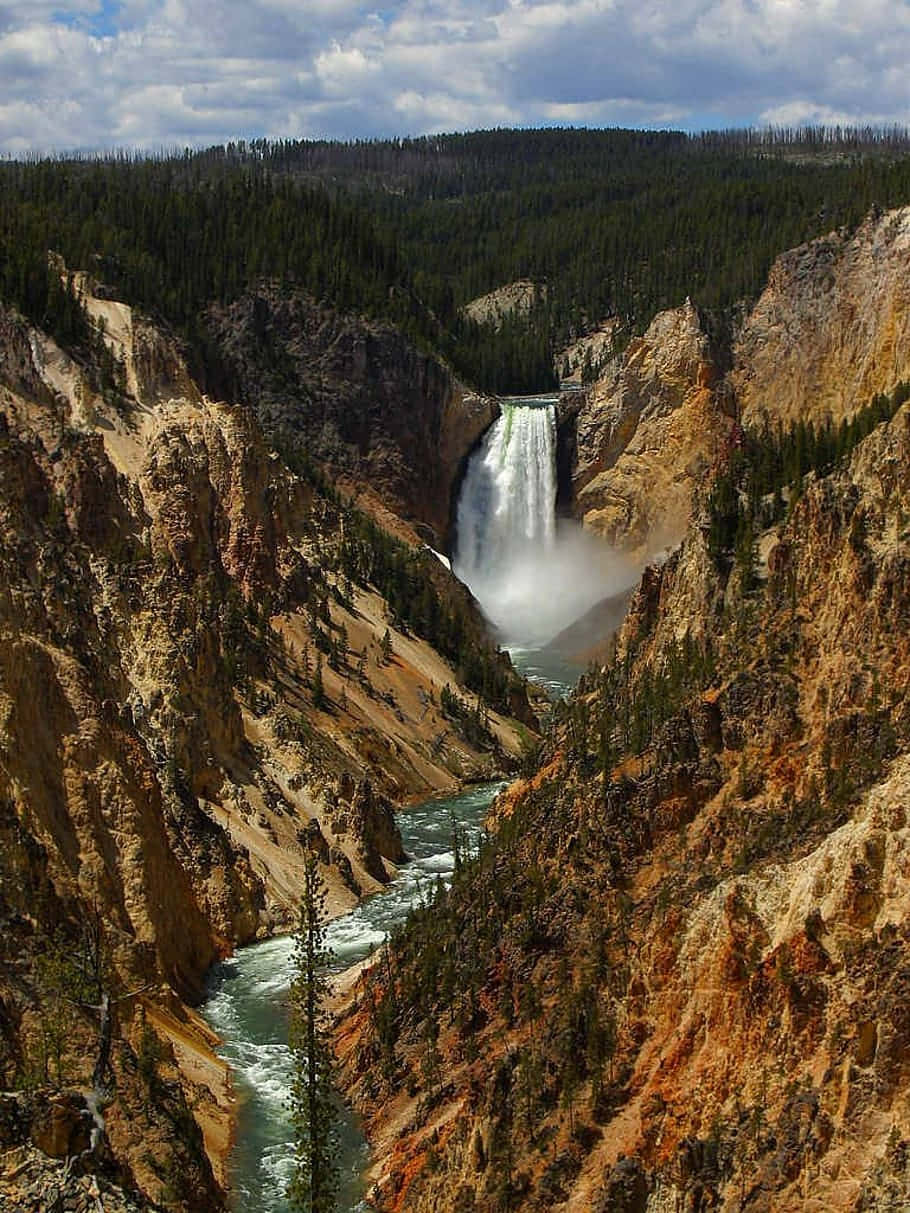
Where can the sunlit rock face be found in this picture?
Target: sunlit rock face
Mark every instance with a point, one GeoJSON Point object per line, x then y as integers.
{"type": "Point", "coordinates": [831, 329]}
{"type": "Point", "coordinates": [648, 434]}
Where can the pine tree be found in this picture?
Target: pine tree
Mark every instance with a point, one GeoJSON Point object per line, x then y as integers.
{"type": "Point", "coordinates": [313, 1107]}
{"type": "Point", "coordinates": [385, 647]}
{"type": "Point", "coordinates": [317, 686]}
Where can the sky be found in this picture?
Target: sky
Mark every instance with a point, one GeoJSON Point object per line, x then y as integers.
{"type": "Point", "coordinates": [160, 74]}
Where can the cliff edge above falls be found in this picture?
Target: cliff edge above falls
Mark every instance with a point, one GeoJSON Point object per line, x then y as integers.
{"type": "Point", "coordinates": [649, 433]}
{"type": "Point", "coordinates": [830, 331]}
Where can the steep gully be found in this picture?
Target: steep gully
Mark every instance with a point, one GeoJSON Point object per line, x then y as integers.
{"type": "Point", "coordinates": [532, 577]}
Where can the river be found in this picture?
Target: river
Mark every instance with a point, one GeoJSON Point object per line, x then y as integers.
{"type": "Point", "coordinates": [247, 1007]}
{"type": "Point", "coordinates": [532, 579]}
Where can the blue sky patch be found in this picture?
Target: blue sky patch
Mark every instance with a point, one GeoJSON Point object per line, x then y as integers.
{"type": "Point", "coordinates": [100, 24]}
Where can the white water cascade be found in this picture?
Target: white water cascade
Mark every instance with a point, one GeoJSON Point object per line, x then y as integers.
{"type": "Point", "coordinates": [532, 576]}
{"type": "Point", "coordinates": [507, 514]}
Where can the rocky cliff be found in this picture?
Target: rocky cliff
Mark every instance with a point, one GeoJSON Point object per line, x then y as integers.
{"type": "Point", "coordinates": [830, 331]}
{"type": "Point", "coordinates": [355, 395]}
{"type": "Point", "coordinates": [677, 977]}
{"type": "Point", "coordinates": [648, 434]}
{"type": "Point", "coordinates": [198, 682]}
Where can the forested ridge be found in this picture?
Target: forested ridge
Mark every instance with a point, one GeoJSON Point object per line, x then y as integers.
{"type": "Point", "coordinates": [612, 223]}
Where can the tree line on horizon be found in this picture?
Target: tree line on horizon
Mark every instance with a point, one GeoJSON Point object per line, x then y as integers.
{"type": "Point", "coordinates": [613, 223]}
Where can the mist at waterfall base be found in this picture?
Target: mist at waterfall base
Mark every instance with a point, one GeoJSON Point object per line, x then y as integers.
{"type": "Point", "coordinates": [532, 574]}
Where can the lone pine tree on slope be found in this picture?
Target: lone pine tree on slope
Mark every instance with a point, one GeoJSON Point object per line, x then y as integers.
{"type": "Point", "coordinates": [313, 1109]}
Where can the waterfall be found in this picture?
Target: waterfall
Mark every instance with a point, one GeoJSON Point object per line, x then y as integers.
{"type": "Point", "coordinates": [508, 500]}
{"type": "Point", "coordinates": [532, 577]}
{"type": "Point", "coordinates": [507, 517]}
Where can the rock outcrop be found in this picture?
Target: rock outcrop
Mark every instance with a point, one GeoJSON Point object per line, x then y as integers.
{"type": "Point", "coordinates": [357, 396]}
{"type": "Point", "coordinates": [513, 299]}
{"type": "Point", "coordinates": [589, 357]}
{"type": "Point", "coordinates": [649, 433]}
{"type": "Point", "coordinates": [831, 329]}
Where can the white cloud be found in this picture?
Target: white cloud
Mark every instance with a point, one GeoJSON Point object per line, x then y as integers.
{"type": "Point", "coordinates": [808, 113]}
{"type": "Point", "coordinates": [345, 73]}
{"type": "Point", "coordinates": [147, 72]}
{"type": "Point", "coordinates": [438, 112]}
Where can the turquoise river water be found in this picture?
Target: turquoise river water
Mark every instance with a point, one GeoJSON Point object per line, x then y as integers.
{"type": "Point", "coordinates": [247, 1006]}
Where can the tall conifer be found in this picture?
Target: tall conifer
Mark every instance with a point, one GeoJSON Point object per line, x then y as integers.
{"type": "Point", "coordinates": [313, 1106]}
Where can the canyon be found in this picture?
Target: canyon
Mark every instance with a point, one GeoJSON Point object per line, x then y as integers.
{"type": "Point", "coordinates": [675, 976]}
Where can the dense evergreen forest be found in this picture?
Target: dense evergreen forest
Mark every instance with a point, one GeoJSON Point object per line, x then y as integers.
{"type": "Point", "coordinates": [613, 223]}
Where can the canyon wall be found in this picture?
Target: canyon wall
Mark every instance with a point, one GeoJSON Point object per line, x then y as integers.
{"type": "Point", "coordinates": [197, 685]}
{"type": "Point", "coordinates": [829, 332]}
{"type": "Point", "coordinates": [831, 329]}
{"type": "Point", "coordinates": [355, 395]}
{"type": "Point", "coordinates": [649, 433]}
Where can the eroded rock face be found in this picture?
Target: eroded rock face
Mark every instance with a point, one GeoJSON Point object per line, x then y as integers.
{"type": "Point", "coordinates": [831, 329]}
{"type": "Point", "coordinates": [61, 1126]}
{"type": "Point", "coordinates": [156, 359]}
{"type": "Point", "coordinates": [371, 822]}
{"type": "Point", "coordinates": [649, 433]}
{"type": "Point", "coordinates": [219, 501]}
{"type": "Point", "coordinates": [355, 395]}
